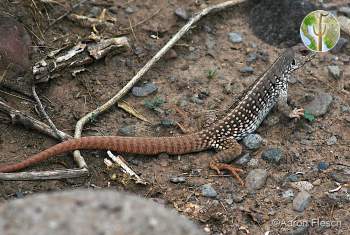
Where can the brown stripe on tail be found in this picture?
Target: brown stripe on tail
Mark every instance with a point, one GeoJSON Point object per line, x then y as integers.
{"type": "Point", "coordinates": [137, 145]}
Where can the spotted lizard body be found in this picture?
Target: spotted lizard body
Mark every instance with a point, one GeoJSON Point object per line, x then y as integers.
{"type": "Point", "coordinates": [243, 118]}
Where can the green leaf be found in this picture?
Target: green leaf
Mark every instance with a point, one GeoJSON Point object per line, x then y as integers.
{"type": "Point", "coordinates": [308, 116]}
{"type": "Point", "coordinates": [211, 73]}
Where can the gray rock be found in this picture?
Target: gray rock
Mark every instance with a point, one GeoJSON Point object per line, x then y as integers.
{"type": "Point", "coordinates": [341, 44]}
{"type": "Point", "coordinates": [94, 11]}
{"type": "Point", "coordinates": [168, 122]}
{"type": "Point", "coordinates": [321, 166]}
{"type": "Point", "coordinates": [273, 155]}
{"type": "Point", "coordinates": [299, 230]}
{"type": "Point", "coordinates": [253, 162]}
{"type": "Point", "coordinates": [334, 71]}
{"type": "Point", "coordinates": [129, 10]}
{"type": "Point", "coordinates": [182, 13]}
{"type": "Point", "coordinates": [293, 177]}
{"type": "Point", "coordinates": [332, 140]}
{"type": "Point", "coordinates": [145, 90]}
{"type": "Point", "coordinates": [177, 179]}
{"type": "Point", "coordinates": [345, 10]}
{"type": "Point", "coordinates": [91, 212]}
{"type": "Point", "coordinates": [251, 58]}
{"type": "Point", "coordinates": [256, 179]}
{"type": "Point", "coordinates": [208, 191]}
{"type": "Point", "coordinates": [320, 105]}
{"type": "Point", "coordinates": [253, 141]}
{"type": "Point", "coordinates": [345, 109]}
{"type": "Point", "coordinates": [341, 177]}
{"type": "Point", "coordinates": [238, 198]}
{"type": "Point", "coordinates": [197, 100]}
{"type": "Point", "coordinates": [235, 37]}
{"type": "Point", "coordinates": [301, 201]}
{"type": "Point", "coordinates": [247, 69]}
{"type": "Point", "coordinates": [288, 194]}
{"type": "Point", "coordinates": [243, 160]}
{"type": "Point", "coordinates": [127, 130]}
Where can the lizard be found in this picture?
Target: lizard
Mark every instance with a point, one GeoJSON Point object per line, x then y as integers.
{"type": "Point", "coordinates": [245, 116]}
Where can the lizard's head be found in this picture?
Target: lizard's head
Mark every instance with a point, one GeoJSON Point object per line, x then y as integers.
{"type": "Point", "coordinates": [299, 58]}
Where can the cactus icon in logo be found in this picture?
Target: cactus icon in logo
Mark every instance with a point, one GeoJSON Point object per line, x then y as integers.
{"type": "Point", "coordinates": [320, 31]}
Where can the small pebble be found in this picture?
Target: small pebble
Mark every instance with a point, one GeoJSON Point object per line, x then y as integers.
{"type": "Point", "coordinates": [239, 197]}
{"type": "Point", "coordinates": [196, 100]}
{"type": "Point", "coordinates": [256, 179]}
{"type": "Point", "coordinates": [272, 155]}
{"type": "Point", "coordinates": [129, 10]}
{"type": "Point", "coordinates": [182, 13]}
{"type": "Point", "coordinates": [301, 201]}
{"type": "Point", "coordinates": [177, 179]}
{"type": "Point", "coordinates": [168, 122]}
{"type": "Point", "coordinates": [243, 160]}
{"type": "Point", "coordinates": [170, 55]}
{"type": "Point", "coordinates": [145, 90]}
{"type": "Point", "coordinates": [253, 141]}
{"type": "Point", "coordinates": [127, 130]}
{"type": "Point", "coordinates": [251, 57]}
{"type": "Point", "coordinates": [293, 177]}
{"type": "Point", "coordinates": [208, 191]}
{"type": "Point", "coordinates": [247, 69]}
{"type": "Point", "coordinates": [334, 71]}
{"type": "Point", "coordinates": [341, 177]}
{"type": "Point", "coordinates": [316, 182]}
{"type": "Point", "coordinates": [235, 37]}
{"type": "Point", "coordinates": [345, 109]}
{"type": "Point", "coordinates": [253, 162]}
{"type": "Point", "coordinates": [321, 166]}
{"type": "Point", "coordinates": [345, 11]}
{"type": "Point", "coordinates": [19, 194]}
{"type": "Point", "coordinates": [332, 140]}
{"type": "Point", "coordinates": [320, 104]}
{"type": "Point", "coordinates": [302, 186]}
{"type": "Point", "coordinates": [288, 194]}
{"type": "Point", "coordinates": [172, 79]}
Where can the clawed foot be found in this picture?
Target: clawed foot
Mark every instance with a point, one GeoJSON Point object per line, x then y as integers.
{"type": "Point", "coordinates": [233, 170]}
{"type": "Point", "coordinates": [297, 113]}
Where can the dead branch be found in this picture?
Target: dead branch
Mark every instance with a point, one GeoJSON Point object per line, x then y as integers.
{"type": "Point", "coordinates": [17, 117]}
{"type": "Point", "coordinates": [44, 175]}
{"type": "Point", "coordinates": [92, 115]}
{"type": "Point", "coordinates": [43, 112]}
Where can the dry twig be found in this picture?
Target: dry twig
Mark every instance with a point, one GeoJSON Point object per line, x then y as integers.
{"type": "Point", "coordinates": [17, 117]}
{"type": "Point", "coordinates": [92, 115]}
{"type": "Point", "coordinates": [43, 112]}
{"type": "Point", "coordinates": [44, 175]}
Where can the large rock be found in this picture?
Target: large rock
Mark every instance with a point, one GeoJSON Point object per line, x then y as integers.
{"type": "Point", "coordinates": [90, 212]}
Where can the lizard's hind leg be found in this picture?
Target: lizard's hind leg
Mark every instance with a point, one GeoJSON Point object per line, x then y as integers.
{"type": "Point", "coordinates": [232, 149]}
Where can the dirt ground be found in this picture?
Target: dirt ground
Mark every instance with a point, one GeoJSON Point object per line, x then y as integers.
{"type": "Point", "coordinates": [182, 81]}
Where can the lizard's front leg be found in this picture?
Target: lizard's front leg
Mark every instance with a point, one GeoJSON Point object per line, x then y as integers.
{"type": "Point", "coordinates": [283, 106]}
{"type": "Point", "coordinates": [232, 149]}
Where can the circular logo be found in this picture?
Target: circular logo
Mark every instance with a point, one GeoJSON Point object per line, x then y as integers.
{"type": "Point", "coordinates": [320, 31]}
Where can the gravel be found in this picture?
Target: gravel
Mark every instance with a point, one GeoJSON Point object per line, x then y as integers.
{"type": "Point", "coordinates": [142, 91]}
{"type": "Point", "coordinates": [247, 69]}
{"type": "Point", "coordinates": [253, 141]}
{"type": "Point", "coordinates": [332, 140]}
{"type": "Point", "coordinates": [256, 179]}
{"type": "Point", "coordinates": [235, 37]}
{"type": "Point", "coordinates": [208, 191]}
{"type": "Point", "coordinates": [334, 71]}
{"type": "Point", "coordinates": [243, 160]}
{"type": "Point", "coordinates": [301, 201]}
{"type": "Point", "coordinates": [177, 179]}
{"type": "Point", "coordinates": [182, 13]}
{"type": "Point", "coordinates": [273, 155]}
{"type": "Point", "coordinates": [320, 104]}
